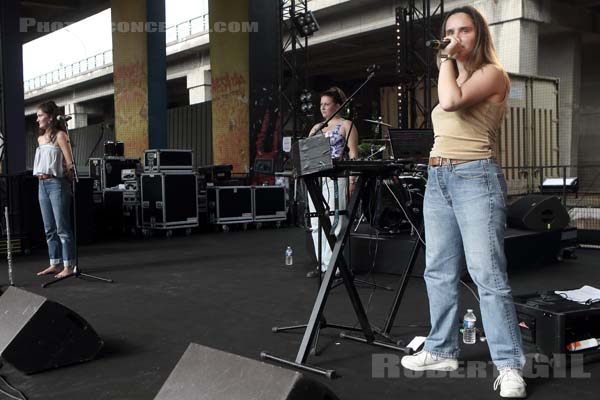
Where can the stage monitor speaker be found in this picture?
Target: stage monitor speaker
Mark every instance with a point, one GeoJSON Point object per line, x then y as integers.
{"type": "Point", "coordinates": [203, 373]}
{"type": "Point", "coordinates": [538, 212]}
{"type": "Point", "coordinates": [37, 334]}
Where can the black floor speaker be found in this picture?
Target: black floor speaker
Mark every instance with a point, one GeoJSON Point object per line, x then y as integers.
{"type": "Point", "coordinates": [538, 212]}
{"type": "Point", "coordinates": [37, 334]}
{"type": "Point", "coordinates": [203, 373]}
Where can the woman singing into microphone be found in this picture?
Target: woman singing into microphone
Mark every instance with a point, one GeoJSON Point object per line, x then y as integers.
{"type": "Point", "coordinates": [465, 204]}
{"type": "Point", "coordinates": [343, 141]}
{"type": "Point", "coordinates": [53, 162]}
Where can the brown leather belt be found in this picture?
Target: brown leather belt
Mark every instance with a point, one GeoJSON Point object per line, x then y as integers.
{"type": "Point", "coordinates": [41, 177]}
{"type": "Point", "coordinates": [439, 161]}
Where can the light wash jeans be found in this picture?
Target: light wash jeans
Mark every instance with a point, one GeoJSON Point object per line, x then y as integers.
{"type": "Point", "coordinates": [327, 188]}
{"type": "Point", "coordinates": [55, 203]}
{"type": "Point", "coordinates": [465, 216]}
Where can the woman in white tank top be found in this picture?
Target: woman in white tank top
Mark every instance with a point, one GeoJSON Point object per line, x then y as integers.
{"type": "Point", "coordinates": [52, 164]}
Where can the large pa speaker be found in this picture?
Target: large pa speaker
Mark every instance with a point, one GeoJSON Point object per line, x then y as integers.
{"type": "Point", "coordinates": [37, 334]}
{"type": "Point", "coordinates": [203, 373]}
{"type": "Point", "coordinates": [538, 212]}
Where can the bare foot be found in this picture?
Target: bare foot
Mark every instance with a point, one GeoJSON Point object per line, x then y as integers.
{"type": "Point", "coordinates": [64, 273]}
{"type": "Point", "coordinates": [49, 271]}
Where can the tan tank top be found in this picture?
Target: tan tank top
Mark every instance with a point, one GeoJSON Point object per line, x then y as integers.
{"type": "Point", "coordinates": [468, 134]}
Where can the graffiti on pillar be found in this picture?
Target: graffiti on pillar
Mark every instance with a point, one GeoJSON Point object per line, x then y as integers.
{"type": "Point", "coordinates": [230, 120]}
{"type": "Point", "coordinates": [131, 106]}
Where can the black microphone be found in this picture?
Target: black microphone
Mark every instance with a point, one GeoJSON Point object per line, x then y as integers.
{"type": "Point", "coordinates": [64, 118]}
{"type": "Point", "coordinates": [437, 44]}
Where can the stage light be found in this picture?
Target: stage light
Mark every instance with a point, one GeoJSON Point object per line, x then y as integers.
{"type": "Point", "coordinates": [306, 24]}
{"type": "Point", "coordinates": [306, 102]}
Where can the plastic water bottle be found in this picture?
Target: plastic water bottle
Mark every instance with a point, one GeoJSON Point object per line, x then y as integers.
{"type": "Point", "coordinates": [469, 330]}
{"type": "Point", "coordinates": [289, 256]}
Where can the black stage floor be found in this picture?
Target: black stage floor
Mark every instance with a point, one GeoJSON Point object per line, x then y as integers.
{"type": "Point", "coordinates": [226, 291]}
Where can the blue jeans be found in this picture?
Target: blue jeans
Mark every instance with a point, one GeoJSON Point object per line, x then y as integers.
{"type": "Point", "coordinates": [465, 216]}
{"type": "Point", "coordinates": [55, 203]}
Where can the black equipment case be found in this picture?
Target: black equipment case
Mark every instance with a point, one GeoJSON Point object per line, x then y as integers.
{"type": "Point", "coordinates": [269, 203]}
{"type": "Point", "coordinates": [230, 204]}
{"type": "Point", "coordinates": [169, 200]}
{"type": "Point", "coordinates": [549, 323]}
{"type": "Point", "coordinates": [158, 160]}
{"type": "Point", "coordinates": [106, 172]}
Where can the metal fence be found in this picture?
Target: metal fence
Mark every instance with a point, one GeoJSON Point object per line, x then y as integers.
{"type": "Point", "coordinates": [578, 187]}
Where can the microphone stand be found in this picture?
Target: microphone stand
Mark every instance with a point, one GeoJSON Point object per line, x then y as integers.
{"type": "Point", "coordinates": [371, 71]}
{"type": "Point", "coordinates": [77, 272]}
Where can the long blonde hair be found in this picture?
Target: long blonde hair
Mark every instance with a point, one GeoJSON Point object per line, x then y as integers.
{"type": "Point", "coordinates": [484, 51]}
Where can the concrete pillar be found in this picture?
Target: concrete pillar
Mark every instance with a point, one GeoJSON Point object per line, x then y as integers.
{"type": "Point", "coordinates": [78, 114]}
{"type": "Point", "coordinates": [139, 60]}
{"type": "Point", "coordinates": [517, 45]}
{"type": "Point", "coordinates": [198, 84]}
{"type": "Point", "coordinates": [12, 124]}
{"type": "Point", "coordinates": [561, 57]}
{"type": "Point", "coordinates": [514, 27]}
{"type": "Point", "coordinates": [229, 49]}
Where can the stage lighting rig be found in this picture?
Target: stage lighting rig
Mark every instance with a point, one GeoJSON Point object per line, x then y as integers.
{"type": "Point", "coordinates": [305, 23]}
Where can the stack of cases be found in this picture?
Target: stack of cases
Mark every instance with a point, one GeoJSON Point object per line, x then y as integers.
{"type": "Point", "coordinates": [131, 199]}
{"type": "Point", "coordinates": [169, 192]}
{"type": "Point", "coordinates": [244, 204]}
{"type": "Point", "coordinates": [96, 166]}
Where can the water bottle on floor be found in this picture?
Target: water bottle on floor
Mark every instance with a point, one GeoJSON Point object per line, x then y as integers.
{"type": "Point", "coordinates": [469, 330]}
{"type": "Point", "coordinates": [289, 256]}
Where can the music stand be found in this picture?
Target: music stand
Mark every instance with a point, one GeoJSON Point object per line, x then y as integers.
{"type": "Point", "coordinates": [77, 272]}
{"type": "Point", "coordinates": [411, 143]}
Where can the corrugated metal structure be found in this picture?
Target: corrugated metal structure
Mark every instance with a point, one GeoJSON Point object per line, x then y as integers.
{"type": "Point", "coordinates": [529, 138]}
{"type": "Point", "coordinates": [189, 127]}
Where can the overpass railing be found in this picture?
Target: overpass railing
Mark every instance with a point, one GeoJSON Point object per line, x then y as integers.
{"type": "Point", "coordinates": [174, 34]}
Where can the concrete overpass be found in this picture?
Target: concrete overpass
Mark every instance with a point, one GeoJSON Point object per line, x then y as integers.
{"type": "Point", "coordinates": [85, 87]}
{"type": "Point", "coordinates": [554, 38]}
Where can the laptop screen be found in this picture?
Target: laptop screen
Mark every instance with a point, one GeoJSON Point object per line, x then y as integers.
{"type": "Point", "coordinates": [411, 143]}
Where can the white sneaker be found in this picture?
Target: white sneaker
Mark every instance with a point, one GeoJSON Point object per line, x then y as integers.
{"type": "Point", "coordinates": [511, 383]}
{"type": "Point", "coordinates": [425, 361]}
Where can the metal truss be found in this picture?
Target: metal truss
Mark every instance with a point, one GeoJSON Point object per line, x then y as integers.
{"type": "Point", "coordinates": [416, 64]}
{"type": "Point", "coordinates": [293, 63]}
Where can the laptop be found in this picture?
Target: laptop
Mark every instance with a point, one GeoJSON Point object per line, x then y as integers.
{"type": "Point", "coordinates": [411, 143]}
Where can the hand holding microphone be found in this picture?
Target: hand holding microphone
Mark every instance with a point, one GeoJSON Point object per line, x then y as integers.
{"type": "Point", "coordinates": [437, 44]}
{"type": "Point", "coordinates": [447, 46]}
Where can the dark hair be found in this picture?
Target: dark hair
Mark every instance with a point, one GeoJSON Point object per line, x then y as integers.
{"type": "Point", "coordinates": [56, 125]}
{"type": "Point", "coordinates": [484, 51]}
{"type": "Point", "coordinates": [337, 94]}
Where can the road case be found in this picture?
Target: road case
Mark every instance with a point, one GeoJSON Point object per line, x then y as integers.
{"type": "Point", "coordinates": [169, 200]}
{"type": "Point", "coordinates": [230, 204]}
{"type": "Point", "coordinates": [159, 160]}
{"type": "Point", "coordinates": [268, 203]}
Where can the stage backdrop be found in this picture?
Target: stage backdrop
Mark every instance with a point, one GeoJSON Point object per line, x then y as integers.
{"type": "Point", "coordinates": [230, 87]}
